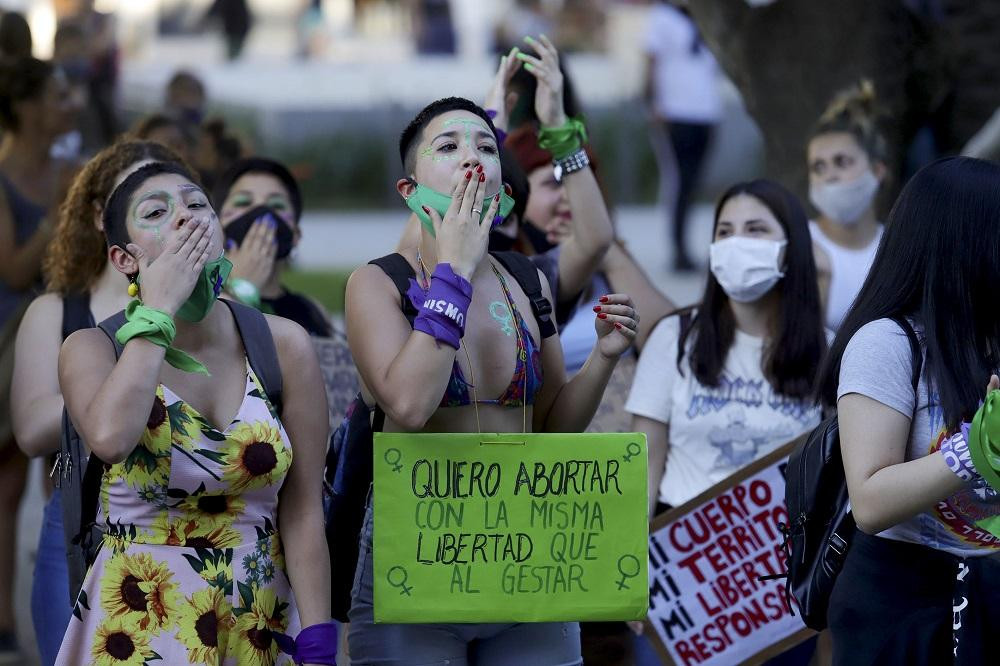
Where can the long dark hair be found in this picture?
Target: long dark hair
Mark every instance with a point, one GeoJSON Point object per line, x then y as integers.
{"type": "Point", "coordinates": [938, 262]}
{"type": "Point", "coordinates": [797, 339]}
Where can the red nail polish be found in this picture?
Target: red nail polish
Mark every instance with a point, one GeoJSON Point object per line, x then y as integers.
{"type": "Point", "coordinates": [497, 197]}
{"type": "Point", "coordinates": [604, 299]}
{"type": "Point", "coordinates": [468, 175]}
{"type": "Point", "coordinates": [506, 188]}
{"type": "Point", "coordinates": [602, 316]}
{"type": "Point", "coordinates": [479, 168]}
{"type": "Point", "coordinates": [482, 177]}
{"type": "Point", "coordinates": [426, 210]}
{"type": "Point", "coordinates": [597, 308]}
{"type": "Point", "coordinates": [617, 325]}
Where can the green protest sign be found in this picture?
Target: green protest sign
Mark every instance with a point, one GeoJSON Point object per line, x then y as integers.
{"type": "Point", "coordinates": [510, 528]}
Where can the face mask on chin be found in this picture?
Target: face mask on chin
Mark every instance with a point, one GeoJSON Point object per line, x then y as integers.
{"type": "Point", "coordinates": [440, 202]}
{"type": "Point", "coordinates": [539, 239]}
{"type": "Point", "coordinates": [845, 202]}
{"type": "Point", "coordinates": [746, 268]}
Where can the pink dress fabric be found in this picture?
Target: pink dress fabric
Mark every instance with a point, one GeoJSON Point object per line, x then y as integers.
{"type": "Point", "coordinates": [191, 569]}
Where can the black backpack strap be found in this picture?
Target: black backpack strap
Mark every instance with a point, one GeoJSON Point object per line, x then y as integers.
{"type": "Point", "coordinates": [915, 350]}
{"type": "Point", "coordinates": [526, 273]}
{"type": "Point", "coordinates": [90, 486]}
{"type": "Point", "coordinates": [400, 272]}
{"type": "Point", "coordinates": [76, 313]}
{"type": "Point", "coordinates": [261, 352]}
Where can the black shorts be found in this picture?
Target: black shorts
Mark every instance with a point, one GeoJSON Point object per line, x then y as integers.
{"type": "Point", "coordinates": [902, 603]}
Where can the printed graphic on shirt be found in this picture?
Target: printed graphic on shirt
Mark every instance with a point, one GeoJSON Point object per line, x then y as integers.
{"type": "Point", "coordinates": [740, 443]}
{"type": "Point", "coordinates": [751, 393]}
{"type": "Point", "coordinates": [964, 509]}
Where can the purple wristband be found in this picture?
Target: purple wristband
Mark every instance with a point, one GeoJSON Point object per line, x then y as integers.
{"type": "Point", "coordinates": [444, 306]}
{"type": "Point", "coordinates": [957, 456]}
{"type": "Point", "coordinates": [316, 644]}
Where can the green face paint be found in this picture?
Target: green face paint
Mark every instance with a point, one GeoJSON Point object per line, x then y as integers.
{"type": "Point", "coordinates": [153, 224]}
{"type": "Point", "coordinates": [425, 196]}
{"type": "Point", "coordinates": [502, 314]}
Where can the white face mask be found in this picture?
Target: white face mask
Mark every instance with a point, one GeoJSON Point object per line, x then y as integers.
{"type": "Point", "coordinates": [845, 202]}
{"type": "Point", "coordinates": [746, 268]}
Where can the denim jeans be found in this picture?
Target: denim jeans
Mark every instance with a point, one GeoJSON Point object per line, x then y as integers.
{"type": "Point", "coordinates": [50, 605]}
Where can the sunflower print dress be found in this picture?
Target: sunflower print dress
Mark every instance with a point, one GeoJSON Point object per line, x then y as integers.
{"type": "Point", "coordinates": [190, 570]}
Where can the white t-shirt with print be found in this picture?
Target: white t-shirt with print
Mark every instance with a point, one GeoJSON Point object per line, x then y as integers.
{"type": "Point", "coordinates": [713, 432]}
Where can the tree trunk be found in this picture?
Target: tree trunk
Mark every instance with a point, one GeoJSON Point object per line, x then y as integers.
{"type": "Point", "coordinates": [790, 57]}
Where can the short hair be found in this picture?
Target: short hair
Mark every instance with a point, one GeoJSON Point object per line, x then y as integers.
{"type": "Point", "coordinates": [517, 179]}
{"type": "Point", "coordinates": [116, 209]}
{"type": "Point", "coordinates": [410, 137]}
{"type": "Point", "coordinates": [257, 165]}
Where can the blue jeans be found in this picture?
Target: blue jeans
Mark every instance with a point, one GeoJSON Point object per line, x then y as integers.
{"type": "Point", "coordinates": [537, 644]}
{"type": "Point", "coordinates": [50, 605]}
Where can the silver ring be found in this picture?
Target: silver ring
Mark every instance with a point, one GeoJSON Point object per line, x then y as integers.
{"type": "Point", "coordinates": [477, 212]}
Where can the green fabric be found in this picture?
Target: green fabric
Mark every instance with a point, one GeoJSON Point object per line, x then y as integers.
{"type": "Point", "coordinates": [245, 291]}
{"type": "Point", "coordinates": [206, 290]}
{"type": "Point", "coordinates": [563, 141]}
{"type": "Point", "coordinates": [157, 327]}
{"type": "Point", "coordinates": [439, 201]}
{"type": "Point", "coordinates": [984, 436]}
{"type": "Point", "coordinates": [510, 527]}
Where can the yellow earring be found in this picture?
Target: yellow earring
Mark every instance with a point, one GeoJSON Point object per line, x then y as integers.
{"type": "Point", "coordinates": [133, 289]}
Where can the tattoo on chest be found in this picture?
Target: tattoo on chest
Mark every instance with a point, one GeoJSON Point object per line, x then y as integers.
{"type": "Point", "coordinates": [503, 316]}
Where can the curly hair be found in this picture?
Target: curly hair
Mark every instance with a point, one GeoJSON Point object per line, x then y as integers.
{"type": "Point", "coordinates": [855, 111]}
{"type": "Point", "coordinates": [78, 252]}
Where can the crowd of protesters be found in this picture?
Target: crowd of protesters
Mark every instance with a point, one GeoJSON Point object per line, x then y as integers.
{"type": "Point", "coordinates": [210, 479]}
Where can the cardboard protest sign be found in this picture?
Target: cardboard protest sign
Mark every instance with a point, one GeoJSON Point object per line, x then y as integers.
{"type": "Point", "coordinates": [339, 374]}
{"type": "Point", "coordinates": [510, 528]}
{"type": "Point", "coordinates": [707, 605]}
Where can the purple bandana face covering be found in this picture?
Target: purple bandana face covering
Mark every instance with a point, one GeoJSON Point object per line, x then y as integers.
{"type": "Point", "coordinates": [443, 307]}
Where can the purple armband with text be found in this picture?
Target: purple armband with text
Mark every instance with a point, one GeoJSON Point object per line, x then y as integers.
{"type": "Point", "coordinates": [957, 456]}
{"type": "Point", "coordinates": [444, 306]}
{"type": "Point", "coordinates": [316, 644]}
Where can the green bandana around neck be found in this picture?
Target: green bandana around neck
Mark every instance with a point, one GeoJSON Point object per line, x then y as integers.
{"type": "Point", "coordinates": [206, 291]}
{"type": "Point", "coordinates": [425, 196]}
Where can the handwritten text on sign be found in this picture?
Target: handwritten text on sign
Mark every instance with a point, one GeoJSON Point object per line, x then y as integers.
{"type": "Point", "coordinates": [546, 527]}
{"type": "Point", "coordinates": [707, 603]}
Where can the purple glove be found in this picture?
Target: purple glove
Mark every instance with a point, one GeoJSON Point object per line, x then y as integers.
{"type": "Point", "coordinates": [316, 644]}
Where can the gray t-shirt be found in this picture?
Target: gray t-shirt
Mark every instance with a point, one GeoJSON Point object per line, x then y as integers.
{"type": "Point", "coordinates": [878, 364]}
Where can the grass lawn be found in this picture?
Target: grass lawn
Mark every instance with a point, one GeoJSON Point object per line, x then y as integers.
{"type": "Point", "coordinates": [326, 286]}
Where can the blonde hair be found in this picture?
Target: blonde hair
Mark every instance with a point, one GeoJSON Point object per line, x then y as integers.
{"type": "Point", "coordinates": [854, 110]}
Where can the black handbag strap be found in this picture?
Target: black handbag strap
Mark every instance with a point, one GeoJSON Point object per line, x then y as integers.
{"type": "Point", "coordinates": [261, 353]}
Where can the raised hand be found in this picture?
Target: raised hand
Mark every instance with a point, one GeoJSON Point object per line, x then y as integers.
{"type": "Point", "coordinates": [253, 259]}
{"type": "Point", "coordinates": [461, 238]}
{"type": "Point", "coordinates": [545, 68]}
{"type": "Point", "coordinates": [616, 323]}
{"type": "Point", "coordinates": [499, 98]}
{"type": "Point", "coordinates": [167, 281]}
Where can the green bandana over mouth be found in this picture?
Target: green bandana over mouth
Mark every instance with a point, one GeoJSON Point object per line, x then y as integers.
{"type": "Point", "coordinates": [425, 196]}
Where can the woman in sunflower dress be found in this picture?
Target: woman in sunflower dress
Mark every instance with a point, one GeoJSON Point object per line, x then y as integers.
{"type": "Point", "coordinates": [192, 568]}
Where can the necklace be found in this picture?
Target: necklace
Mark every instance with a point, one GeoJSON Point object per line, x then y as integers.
{"type": "Point", "coordinates": [521, 349]}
